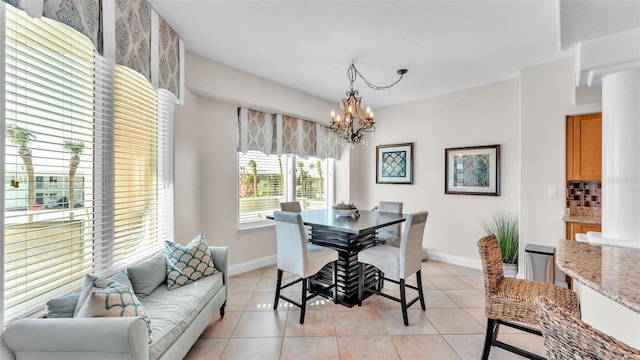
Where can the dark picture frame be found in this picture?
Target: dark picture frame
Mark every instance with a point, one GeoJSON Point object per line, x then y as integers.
{"type": "Point", "coordinates": [394, 164]}
{"type": "Point", "coordinates": [472, 170]}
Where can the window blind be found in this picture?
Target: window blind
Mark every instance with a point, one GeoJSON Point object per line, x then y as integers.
{"type": "Point", "coordinates": [166, 105]}
{"type": "Point", "coordinates": [311, 183]}
{"type": "Point", "coordinates": [135, 158]}
{"type": "Point", "coordinates": [48, 160]}
{"type": "Point", "coordinates": [261, 185]}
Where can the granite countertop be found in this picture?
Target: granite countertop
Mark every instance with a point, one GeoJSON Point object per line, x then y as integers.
{"type": "Point", "coordinates": [583, 219]}
{"type": "Point", "coordinates": [609, 270]}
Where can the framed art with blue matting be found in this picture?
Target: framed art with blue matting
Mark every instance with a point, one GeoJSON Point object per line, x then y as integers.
{"type": "Point", "coordinates": [394, 164]}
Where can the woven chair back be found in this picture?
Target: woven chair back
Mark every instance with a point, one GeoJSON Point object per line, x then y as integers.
{"type": "Point", "coordinates": [491, 258]}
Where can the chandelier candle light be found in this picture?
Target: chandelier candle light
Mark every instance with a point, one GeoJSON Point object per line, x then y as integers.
{"type": "Point", "coordinates": [352, 108]}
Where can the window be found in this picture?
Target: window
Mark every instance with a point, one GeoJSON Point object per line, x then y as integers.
{"type": "Point", "coordinates": [88, 171]}
{"type": "Point", "coordinates": [266, 181]}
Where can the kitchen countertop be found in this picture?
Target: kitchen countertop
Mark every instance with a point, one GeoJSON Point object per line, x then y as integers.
{"type": "Point", "coordinates": [612, 271]}
{"type": "Point", "coordinates": [583, 219]}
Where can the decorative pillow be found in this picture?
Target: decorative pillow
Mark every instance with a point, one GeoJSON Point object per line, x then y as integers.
{"type": "Point", "coordinates": [64, 306]}
{"type": "Point", "coordinates": [148, 275]}
{"type": "Point", "coordinates": [106, 297]}
{"type": "Point", "coordinates": [188, 264]}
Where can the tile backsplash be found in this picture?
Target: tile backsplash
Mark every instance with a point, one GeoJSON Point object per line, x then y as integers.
{"type": "Point", "coordinates": [584, 194]}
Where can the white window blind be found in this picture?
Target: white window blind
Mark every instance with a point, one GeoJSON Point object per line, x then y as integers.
{"type": "Point", "coordinates": [135, 157]}
{"type": "Point", "coordinates": [88, 164]}
{"type": "Point", "coordinates": [261, 185]}
{"type": "Point", "coordinates": [48, 160]}
{"type": "Point", "coordinates": [311, 183]}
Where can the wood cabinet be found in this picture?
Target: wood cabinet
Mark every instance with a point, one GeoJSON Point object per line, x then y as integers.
{"type": "Point", "coordinates": [584, 147]}
{"type": "Point", "coordinates": [579, 228]}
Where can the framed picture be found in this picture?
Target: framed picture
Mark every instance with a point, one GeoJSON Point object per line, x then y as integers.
{"type": "Point", "coordinates": [473, 170]}
{"type": "Point", "coordinates": [394, 164]}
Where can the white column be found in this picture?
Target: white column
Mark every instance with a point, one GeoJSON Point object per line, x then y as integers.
{"type": "Point", "coordinates": [621, 157]}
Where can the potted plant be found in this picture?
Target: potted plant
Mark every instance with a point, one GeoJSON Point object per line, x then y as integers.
{"type": "Point", "coordinates": [504, 225]}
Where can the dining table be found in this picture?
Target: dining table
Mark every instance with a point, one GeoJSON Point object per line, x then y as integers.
{"type": "Point", "coordinates": [348, 235]}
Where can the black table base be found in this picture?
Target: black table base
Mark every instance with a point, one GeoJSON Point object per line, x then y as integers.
{"type": "Point", "coordinates": [348, 246]}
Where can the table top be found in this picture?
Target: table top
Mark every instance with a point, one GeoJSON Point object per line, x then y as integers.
{"type": "Point", "coordinates": [328, 218]}
{"type": "Point", "coordinates": [609, 270]}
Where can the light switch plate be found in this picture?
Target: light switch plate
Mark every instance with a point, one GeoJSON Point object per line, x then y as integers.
{"type": "Point", "coordinates": [553, 191]}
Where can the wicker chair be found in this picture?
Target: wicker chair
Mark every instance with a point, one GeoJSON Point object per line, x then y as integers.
{"type": "Point", "coordinates": [567, 337]}
{"type": "Point", "coordinates": [510, 300]}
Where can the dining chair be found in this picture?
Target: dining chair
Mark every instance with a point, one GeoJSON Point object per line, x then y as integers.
{"type": "Point", "coordinates": [301, 258]}
{"type": "Point", "coordinates": [397, 262]}
{"type": "Point", "coordinates": [291, 206]}
{"type": "Point", "coordinates": [390, 235]}
{"type": "Point", "coordinates": [568, 337]}
{"type": "Point", "coordinates": [509, 301]}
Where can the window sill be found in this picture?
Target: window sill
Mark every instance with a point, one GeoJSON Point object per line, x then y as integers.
{"type": "Point", "coordinates": [256, 226]}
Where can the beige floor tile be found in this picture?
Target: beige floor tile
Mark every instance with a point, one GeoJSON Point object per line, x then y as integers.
{"type": "Point", "coordinates": [237, 300]}
{"type": "Point", "coordinates": [243, 284]}
{"type": "Point", "coordinates": [257, 273]}
{"type": "Point", "coordinates": [437, 299]}
{"type": "Point", "coordinates": [296, 348]}
{"type": "Point", "coordinates": [454, 321]}
{"type": "Point", "coordinates": [418, 323]}
{"type": "Point", "coordinates": [266, 284]}
{"type": "Point", "coordinates": [434, 268]}
{"type": "Point", "coordinates": [366, 347]}
{"type": "Point", "coordinates": [469, 347]}
{"type": "Point", "coordinates": [263, 301]}
{"type": "Point", "coordinates": [261, 324]}
{"type": "Point", "coordinates": [259, 348]}
{"type": "Point", "coordinates": [449, 283]}
{"type": "Point", "coordinates": [427, 284]}
{"type": "Point", "coordinates": [316, 323]}
{"type": "Point", "coordinates": [222, 328]}
{"type": "Point", "coordinates": [478, 315]}
{"type": "Point", "coordinates": [206, 349]}
{"type": "Point", "coordinates": [428, 347]}
{"type": "Point", "coordinates": [461, 270]}
{"type": "Point", "coordinates": [362, 320]}
{"type": "Point", "coordinates": [466, 298]}
{"type": "Point", "coordinates": [477, 282]}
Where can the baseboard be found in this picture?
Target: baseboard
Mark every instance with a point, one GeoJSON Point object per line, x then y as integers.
{"type": "Point", "coordinates": [252, 265]}
{"type": "Point", "coordinates": [455, 260]}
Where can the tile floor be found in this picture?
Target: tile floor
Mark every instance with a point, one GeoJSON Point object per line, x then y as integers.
{"type": "Point", "coordinates": [452, 327]}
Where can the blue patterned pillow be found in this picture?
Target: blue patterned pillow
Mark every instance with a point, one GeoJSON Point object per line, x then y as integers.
{"type": "Point", "coordinates": [186, 264]}
{"type": "Point", "coordinates": [108, 297]}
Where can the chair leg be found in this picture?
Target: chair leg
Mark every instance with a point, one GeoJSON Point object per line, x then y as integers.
{"type": "Point", "coordinates": [491, 324]}
{"type": "Point", "coordinates": [278, 284]}
{"type": "Point", "coordinates": [360, 283]}
{"type": "Point", "coordinates": [420, 292]}
{"type": "Point", "coordinates": [303, 303]}
{"type": "Point", "coordinates": [403, 302]}
{"type": "Point", "coordinates": [335, 282]}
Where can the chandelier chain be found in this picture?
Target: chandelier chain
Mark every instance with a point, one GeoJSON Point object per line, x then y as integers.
{"type": "Point", "coordinates": [353, 71]}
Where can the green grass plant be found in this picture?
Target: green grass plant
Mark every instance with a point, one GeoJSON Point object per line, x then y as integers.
{"type": "Point", "coordinates": [504, 225]}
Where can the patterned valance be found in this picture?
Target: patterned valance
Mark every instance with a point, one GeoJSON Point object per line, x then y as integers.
{"type": "Point", "coordinates": [282, 134]}
{"type": "Point", "coordinates": [127, 32]}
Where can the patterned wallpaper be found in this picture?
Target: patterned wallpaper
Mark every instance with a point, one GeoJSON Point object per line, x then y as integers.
{"type": "Point", "coordinates": [133, 35]}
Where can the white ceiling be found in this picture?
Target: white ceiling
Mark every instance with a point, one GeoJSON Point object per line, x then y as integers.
{"type": "Point", "coordinates": [308, 45]}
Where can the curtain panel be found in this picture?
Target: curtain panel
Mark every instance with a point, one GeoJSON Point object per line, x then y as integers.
{"type": "Point", "coordinates": [281, 134]}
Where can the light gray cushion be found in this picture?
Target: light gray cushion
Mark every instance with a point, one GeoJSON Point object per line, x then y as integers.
{"type": "Point", "coordinates": [62, 307]}
{"type": "Point", "coordinates": [186, 264]}
{"type": "Point", "coordinates": [148, 275]}
{"type": "Point", "coordinates": [172, 311]}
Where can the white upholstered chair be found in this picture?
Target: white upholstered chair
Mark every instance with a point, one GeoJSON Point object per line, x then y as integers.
{"type": "Point", "coordinates": [300, 258]}
{"type": "Point", "coordinates": [390, 235]}
{"type": "Point", "coordinates": [291, 206]}
{"type": "Point", "coordinates": [397, 262]}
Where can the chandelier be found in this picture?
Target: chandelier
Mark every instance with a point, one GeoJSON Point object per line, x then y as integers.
{"type": "Point", "coordinates": [352, 108]}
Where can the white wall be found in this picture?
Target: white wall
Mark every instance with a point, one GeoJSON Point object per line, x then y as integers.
{"type": "Point", "coordinates": [547, 96]}
{"type": "Point", "coordinates": [206, 158]}
{"type": "Point", "coordinates": [485, 115]}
